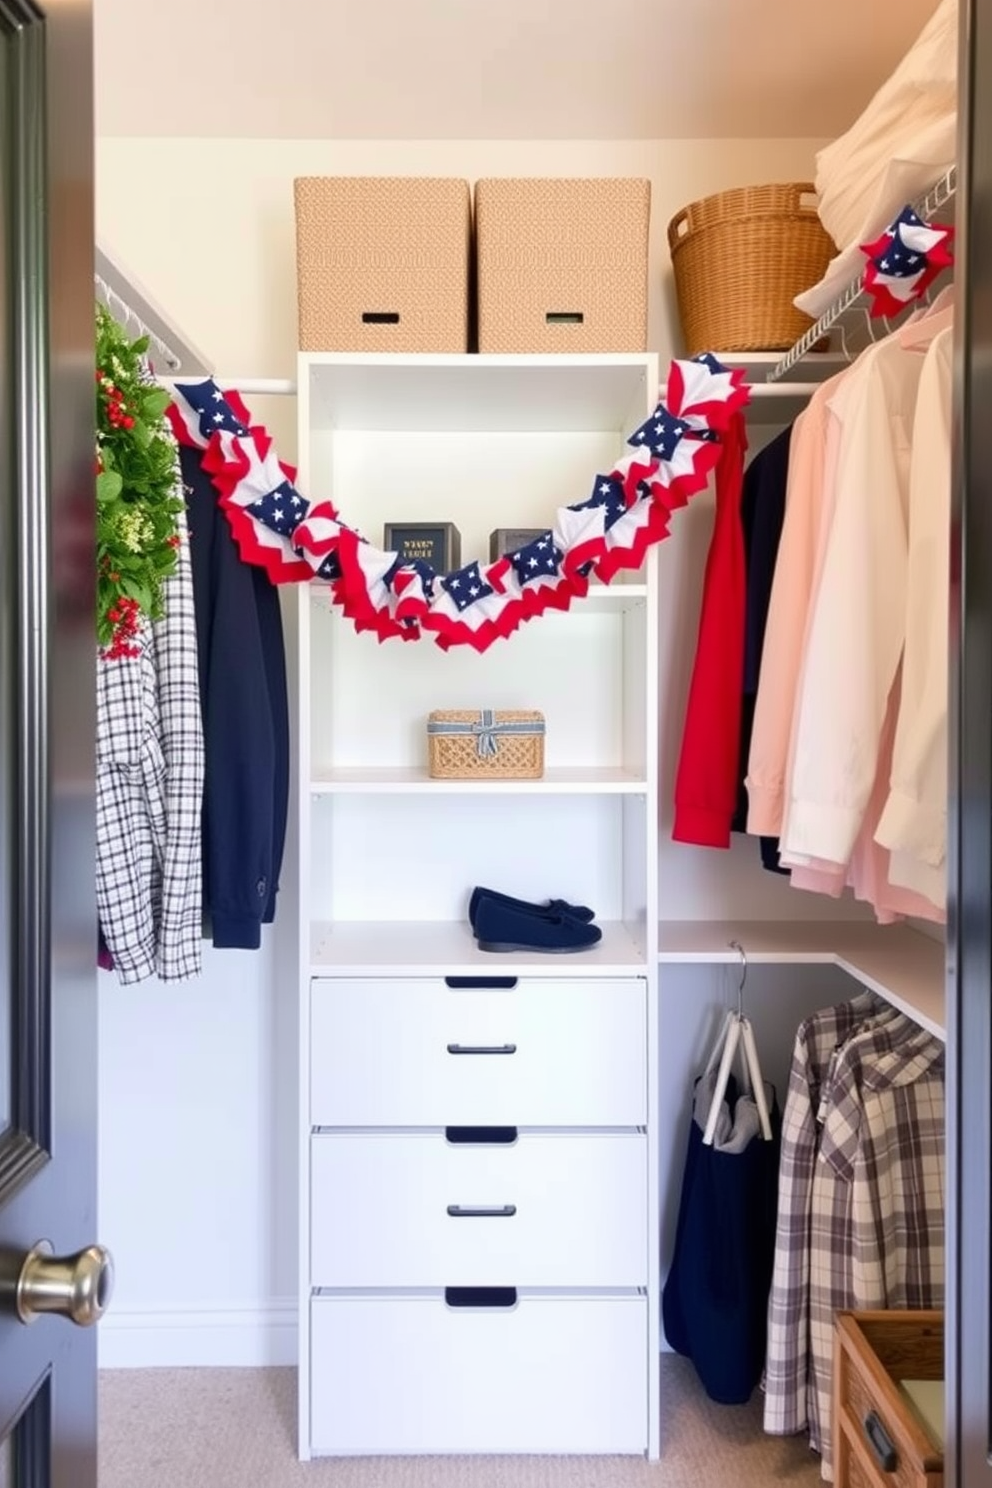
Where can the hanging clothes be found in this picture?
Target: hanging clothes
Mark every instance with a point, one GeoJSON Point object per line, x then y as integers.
{"type": "Point", "coordinates": [877, 1212]}
{"type": "Point", "coordinates": [706, 779]}
{"type": "Point", "coordinates": [242, 676]}
{"type": "Point", "coordinates": [762, 517]}
{"type": "Point", "coordinates": [913, 825]}
{"type": "Point", "coordinates": [869, 872]}
{"type": "Point", "coordinates": [861, 1198]}
{"type": "Point", "coordinates": [829, 700]}
{"type": "Point", "coordinates": [787, 1359]}
{"type": "Point", "coordinates": [858, 623]}
{"type": "Point", "coordinates": [149, 791]}
{"type": "Point", "coordinates": [812, 451]}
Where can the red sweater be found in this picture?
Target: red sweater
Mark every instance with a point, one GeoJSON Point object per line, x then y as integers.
{"type": "Point", "coordinates": [706, 780]}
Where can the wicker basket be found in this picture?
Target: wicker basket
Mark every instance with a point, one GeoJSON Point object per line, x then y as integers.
{"type": "Point", "coordinates": [465, 743]}
{"type": "Point", "coordinates": [740, 258]}
{"type": "Point", "coordinates": [562, 264]}
{"type": "Point", "coordinates": [382, 263]}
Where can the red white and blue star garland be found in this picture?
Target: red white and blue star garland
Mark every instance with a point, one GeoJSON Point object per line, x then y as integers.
{"type": "Point", "coordinates": [295, 539]}
{"type": "Point", "coordinates": [904, 262]}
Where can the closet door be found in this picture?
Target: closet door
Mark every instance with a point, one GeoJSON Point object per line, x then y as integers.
{"type": "Point", "coordinates": [53, 1280]}
{"type": "Point", "coordinates": [969, 1200]}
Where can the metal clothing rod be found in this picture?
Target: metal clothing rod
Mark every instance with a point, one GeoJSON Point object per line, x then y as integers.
{"type": "Point", "coordinates": [268, 386]}
{"type": "Point", "coordinates": [279, 387]}
{"type": "Point", "coordinates": [938, 196]}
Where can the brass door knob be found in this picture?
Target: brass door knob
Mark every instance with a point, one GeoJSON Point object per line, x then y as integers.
{"type": "Point", "coordinates": [77, 1287]}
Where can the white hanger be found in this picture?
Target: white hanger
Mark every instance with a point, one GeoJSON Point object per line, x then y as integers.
{"type": "Point", "coordinates": [737, 1032]}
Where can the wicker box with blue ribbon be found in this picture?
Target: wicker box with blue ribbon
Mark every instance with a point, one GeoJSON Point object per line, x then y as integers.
{"type": "Point", "coordinates": [464, 743]}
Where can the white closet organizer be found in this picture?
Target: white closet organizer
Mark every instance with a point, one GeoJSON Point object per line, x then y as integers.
{"type": "Point", "coordinates": [479, 1267]}
{"type": "Point", "coordinates": [491, 1145]}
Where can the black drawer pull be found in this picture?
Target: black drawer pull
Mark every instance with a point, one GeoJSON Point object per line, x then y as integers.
{"type": "Point", "coordinates": [380, 317]}
{"type": "Point", "coordinates": [881, 1443]}
{"type": "Point", "coordinates": [492, 982]}
{"type": "Point", "coordinates": [480, 1296]}
{"type": "Point", "coordinates": [481, 1136]}
{"type": "Point", "coordinates": [472, 1211]}
{"type": "Point", "coordinates": [482, 1048]}
{"type": "Point", "coordinates": [564, 317]}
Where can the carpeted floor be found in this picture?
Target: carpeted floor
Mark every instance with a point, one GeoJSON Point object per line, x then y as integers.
{"type": "Point", "coordinates": [235, 1428]}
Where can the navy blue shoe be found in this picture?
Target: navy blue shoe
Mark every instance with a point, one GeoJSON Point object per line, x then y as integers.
{"type": "Point", "coordinates": [552, 907]}
{"type": "Point", "coordinates": [501, 927]}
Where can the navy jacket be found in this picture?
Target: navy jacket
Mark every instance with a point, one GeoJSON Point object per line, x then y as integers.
{"type": "Point", "coordinates": [243, 698]}
{"type": "Point", "coordinates": [762, 515]}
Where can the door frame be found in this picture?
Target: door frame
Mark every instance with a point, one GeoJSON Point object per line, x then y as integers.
{"type": "Point", "coordinates": [969, 933]}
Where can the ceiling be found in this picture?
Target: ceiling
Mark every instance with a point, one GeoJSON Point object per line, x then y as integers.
{"type": "Point", "coordinates": [506, 69]}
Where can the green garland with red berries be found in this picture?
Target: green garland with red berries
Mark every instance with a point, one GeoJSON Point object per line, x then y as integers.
{"type": "Point", "coordinates": [137, 493]}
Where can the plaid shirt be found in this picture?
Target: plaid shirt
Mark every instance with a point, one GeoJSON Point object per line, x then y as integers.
{"type": "Point", "coordinates": [786, 1364]}
{"type": "Point", "coordinates": [877, 1233]}
{"type": "Point", "coordinates": [149, 790]}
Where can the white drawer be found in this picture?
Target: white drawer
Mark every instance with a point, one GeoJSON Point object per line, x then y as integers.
{"type": "Point", "coordinates": [412, 1209]}
{"type": "Point", "coordinates": [409, 1374]}
{"type": "Point", "coordinates": [417, 1052]}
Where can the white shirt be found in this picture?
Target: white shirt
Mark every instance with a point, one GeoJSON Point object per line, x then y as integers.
{"type": "Point", "coordinates": [914, 823]}
{"type": "Point", "coordinates": [857, 629]}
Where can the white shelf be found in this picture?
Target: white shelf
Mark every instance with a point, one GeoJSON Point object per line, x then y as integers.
{"type": "Point", "coordinates": [398, 780]}
{"type": "Point", "coordinates": [465, 393]}
{"type": "Point", "coordinates": [569, 394]}
{"type": "Point", "coordinates": [600, 599]}
{"type": "Point", "coordinates": [448, 948]}
{"type": "Point", "coordinates": [900, 964]}
{"type": "Point", "coordinates": [617, 595]}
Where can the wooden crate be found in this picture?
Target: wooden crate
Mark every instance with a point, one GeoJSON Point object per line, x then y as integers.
{"type": "Point", "coordinates": [879, 1441]}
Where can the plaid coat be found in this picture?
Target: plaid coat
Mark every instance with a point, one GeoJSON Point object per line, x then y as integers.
{"type": "Point", "coordinates": [787, 1358]}
{"type": "Point", "coordinates": [149, 793]}
{"type": "Point", "coordinates": [861, 1201]}
{"type": "Point", "coordinates": [877, 1232]}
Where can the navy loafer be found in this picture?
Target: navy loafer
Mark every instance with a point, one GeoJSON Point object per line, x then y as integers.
{"type": "Point", "coordinates": [501, 927]}
{"type": "Point", "coordinates": [552, 907]}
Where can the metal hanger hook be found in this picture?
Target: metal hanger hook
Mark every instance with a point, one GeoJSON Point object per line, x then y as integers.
{"type": "Point", "coordinates": [845, 349]}
{"type": "Point", "coordinates": [735, 945]}
{"type": "Point", "coordinates": [869, 324]}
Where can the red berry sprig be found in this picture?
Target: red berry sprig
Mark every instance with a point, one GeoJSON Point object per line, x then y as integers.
{"type": "Point", "coordinates": [117, 411]}
{"type": "Point", "coordinates": [123, 616]}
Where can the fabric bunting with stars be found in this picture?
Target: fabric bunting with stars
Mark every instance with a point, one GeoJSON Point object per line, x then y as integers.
{"type": "Point", "coordinates": [904, 262]}
{"type": "Point", "coordinates": [629, 508]}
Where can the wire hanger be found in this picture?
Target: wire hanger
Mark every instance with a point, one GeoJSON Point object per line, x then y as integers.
{"type": "Point", "coordinates": [845, 349]}
{"type": "Point", "coordinates": [737, 1033]}
{"type": "Point", "coordinates": [735, 945]}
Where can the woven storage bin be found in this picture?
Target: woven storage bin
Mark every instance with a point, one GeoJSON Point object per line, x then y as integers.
{"type": "Point", "coordinates": [562, 264]}
{"type": "Point", "coordinates": [740, 258]}
{"type": "Point", "coordinates": [465, 743]}
{"type": "Point", "coordinates": [382, 263]}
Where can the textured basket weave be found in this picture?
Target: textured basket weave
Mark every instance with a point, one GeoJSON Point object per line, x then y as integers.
{"type": "Point", "coordinates": [740, 257]}
{"type": "Point", "coordinates": [465, 743]}
{"type": "Point", "coordinates": [382, 263]}
{"type": "Point", "coordinates": [562, 264]}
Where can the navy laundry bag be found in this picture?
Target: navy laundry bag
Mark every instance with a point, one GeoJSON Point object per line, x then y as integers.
{"type": "Point", "coordinates": [715, 1301]}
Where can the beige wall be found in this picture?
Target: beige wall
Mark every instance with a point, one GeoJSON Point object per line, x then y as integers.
{"type": "Point", "coordinates": [207, 224]}
{"type": "Point", "coordinates": [198, 1118]}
